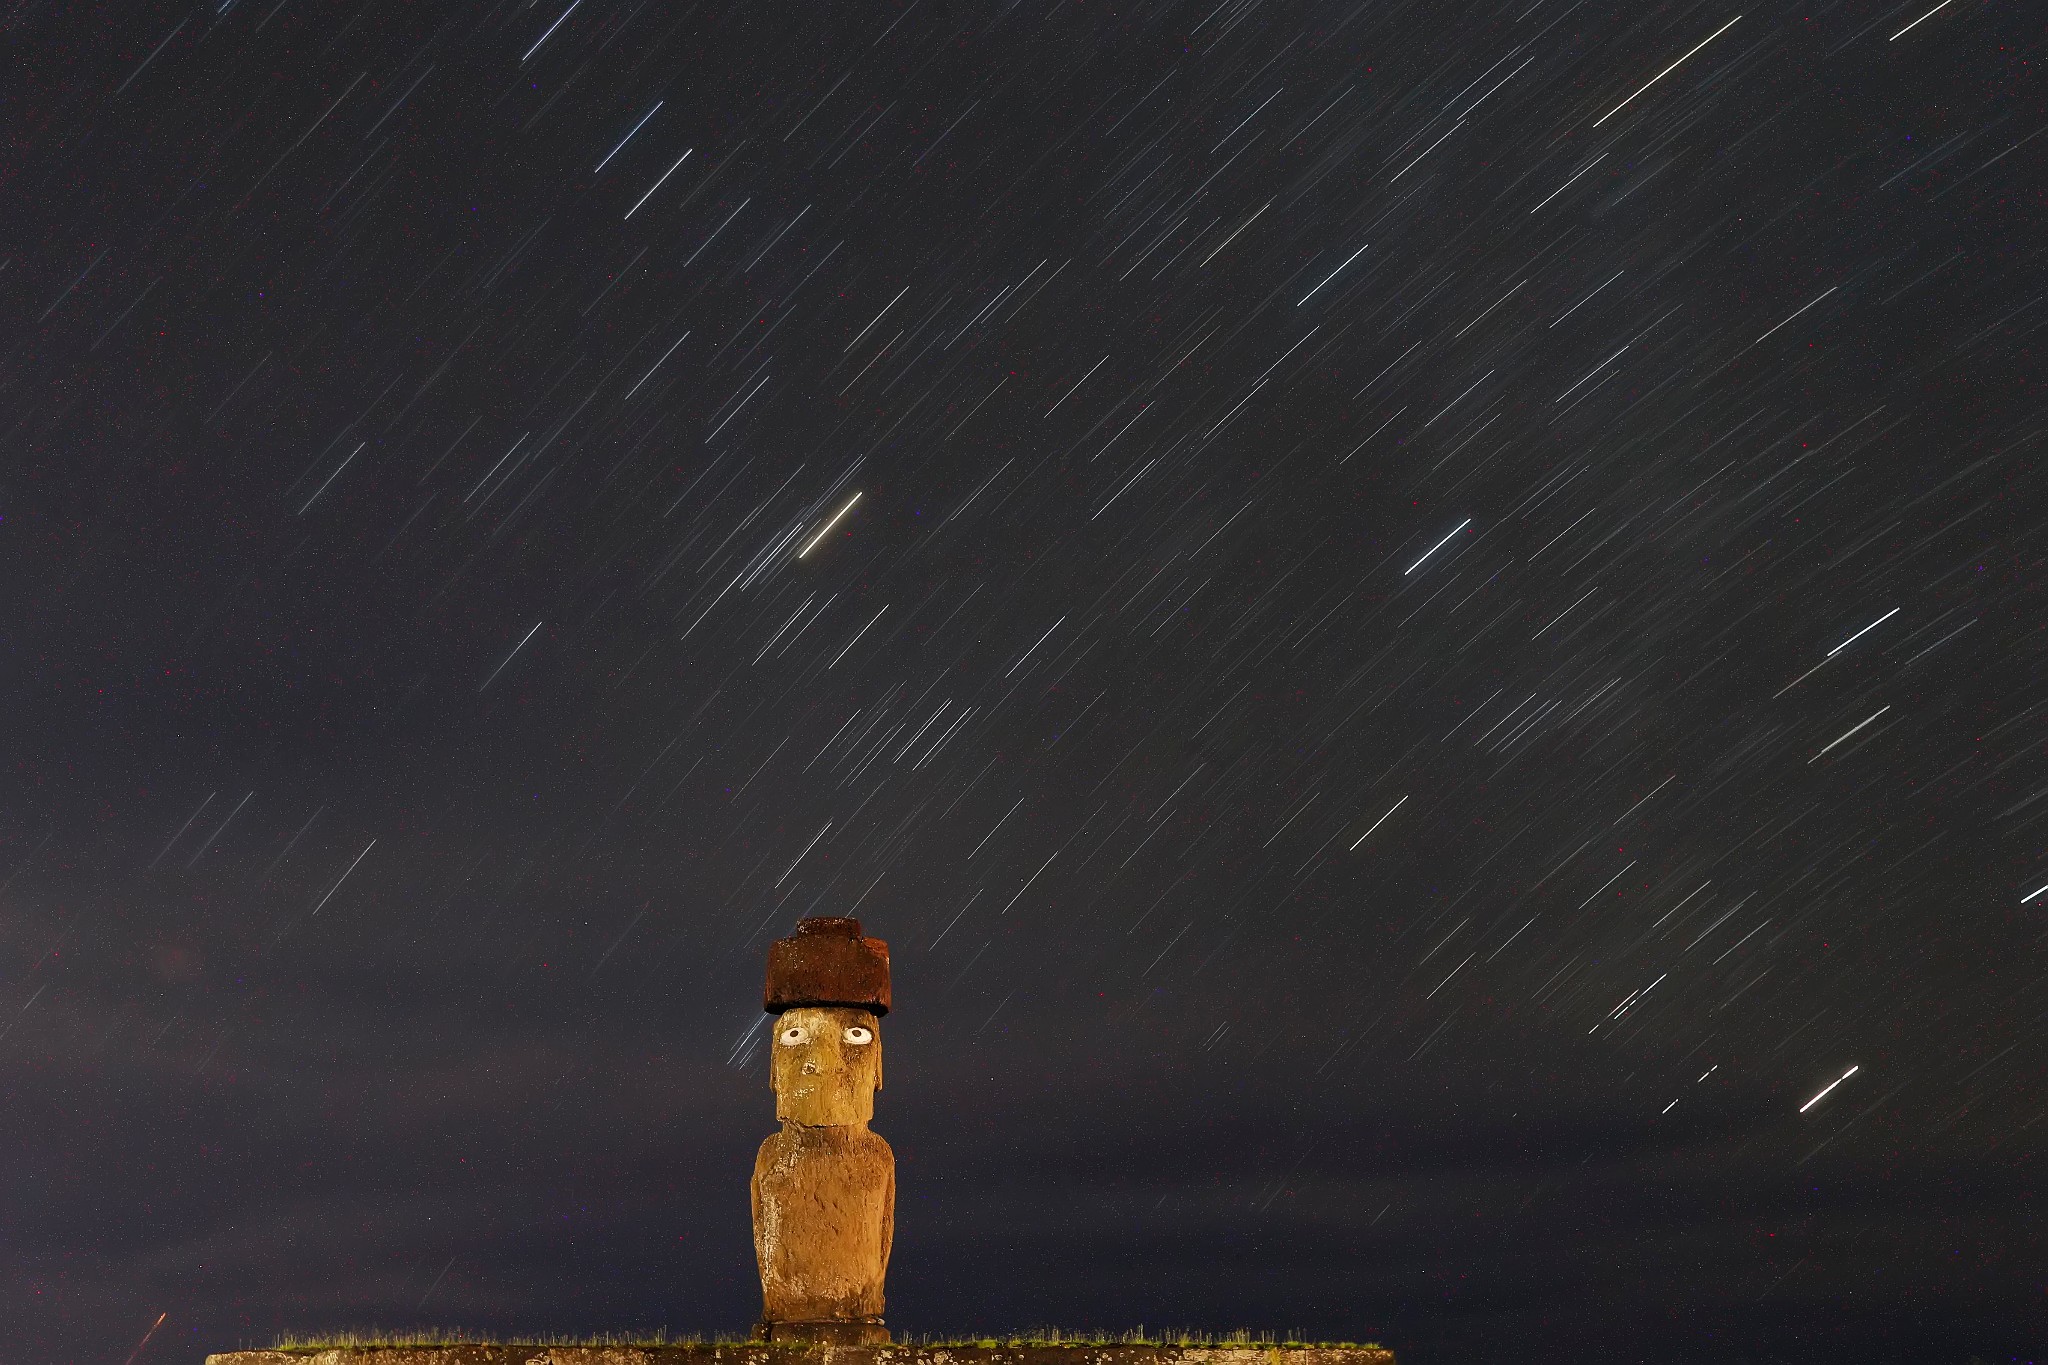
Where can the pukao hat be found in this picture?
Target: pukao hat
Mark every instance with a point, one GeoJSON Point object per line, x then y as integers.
{"type": "Point", "coordinates": [827, 962]}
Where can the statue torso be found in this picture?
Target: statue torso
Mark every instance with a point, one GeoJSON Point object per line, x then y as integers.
{"type": "Point", "coordinates": [824, 1215]}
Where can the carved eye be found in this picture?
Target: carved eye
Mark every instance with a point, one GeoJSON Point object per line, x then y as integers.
{"type": "Point", "coordinates": [856, 1034]}
{"type": "Point", "coordinates": [796, 1035]}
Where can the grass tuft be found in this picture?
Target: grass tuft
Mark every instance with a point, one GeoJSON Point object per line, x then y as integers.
{"type": "Point", "coordinates": [1137, 1336]}
{"type": "Point", "coordinates": [371, 1338]}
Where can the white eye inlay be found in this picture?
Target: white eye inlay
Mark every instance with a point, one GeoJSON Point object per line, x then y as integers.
{"type": "Point", "coordinates": [857, 1034]}
{"type": "Point", "coordinates": [795, 1036]}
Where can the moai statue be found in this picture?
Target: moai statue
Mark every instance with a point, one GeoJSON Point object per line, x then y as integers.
{"type": "Point", "coordinates": [825, 1187]}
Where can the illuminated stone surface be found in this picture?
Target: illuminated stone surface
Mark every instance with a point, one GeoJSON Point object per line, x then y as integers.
{"type": "Point", "coordinates": [824, 1188]}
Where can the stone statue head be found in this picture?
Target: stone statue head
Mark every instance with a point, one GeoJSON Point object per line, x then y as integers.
{"type": "Point", "coordinates": [825, 1063]}
{"type": "Point", "coordinates": [829, 985]}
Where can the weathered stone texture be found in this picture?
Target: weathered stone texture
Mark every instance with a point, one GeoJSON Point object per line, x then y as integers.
{"type": "Point", "coordinates": [824, 1221]}
{"type": "Point", "coordinates": [828, 962]}
{"type": "Point", "coordinates": [824, 1188]}
{"type": "Point", "coordinates": [769, 1354]}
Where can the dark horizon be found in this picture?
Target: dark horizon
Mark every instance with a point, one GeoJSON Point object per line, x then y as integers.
{"type": "Point", "coordinates": [1417, 623]}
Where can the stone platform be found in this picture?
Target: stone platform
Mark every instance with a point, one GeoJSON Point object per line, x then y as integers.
{"type": "Point", "coordinates": [761, 1353]}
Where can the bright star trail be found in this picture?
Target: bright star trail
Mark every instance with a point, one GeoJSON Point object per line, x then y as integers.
{"type": "Point", "coordinates": [1416, 622]}
{"type": "Point", "coordinates": [1828, 1088]}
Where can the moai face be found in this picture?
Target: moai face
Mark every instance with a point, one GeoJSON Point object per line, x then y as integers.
{"type": "Point", "coordinates": [826, 1065]}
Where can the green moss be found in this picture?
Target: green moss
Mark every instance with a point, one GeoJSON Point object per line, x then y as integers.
{"type": "Point", "coordinates": [1042, 1336]}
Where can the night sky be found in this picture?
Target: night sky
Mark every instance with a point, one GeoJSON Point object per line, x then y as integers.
{"type": "Point", "coordinates": [1418, 623]}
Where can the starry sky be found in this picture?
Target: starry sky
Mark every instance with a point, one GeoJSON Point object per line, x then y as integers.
{"type": "Point", "coordinates": [1419, 623]}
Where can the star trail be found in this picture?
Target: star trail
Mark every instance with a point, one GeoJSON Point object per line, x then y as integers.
{"type": "Point", "coordinates": [1421, 625]}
